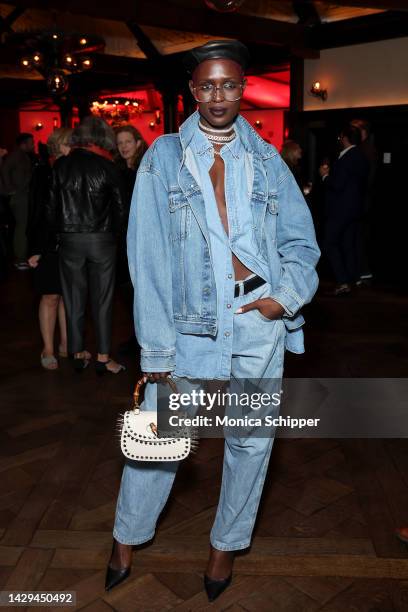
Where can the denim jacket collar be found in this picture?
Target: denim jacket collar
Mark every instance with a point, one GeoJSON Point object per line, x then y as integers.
{"type": "Point", "coordinates": [250, 140]}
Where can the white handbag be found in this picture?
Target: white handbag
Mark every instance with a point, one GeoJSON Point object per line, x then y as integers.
{"type": "Point", "coordinates": [139, 436]}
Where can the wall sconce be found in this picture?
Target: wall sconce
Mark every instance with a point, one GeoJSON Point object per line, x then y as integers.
{"type": "Point", "coordinates": [158, 116]}
{"type": "Point", "coordinates": [317, 91]}
{"type": "Point", "coordinates": [258, 124]}
{"type": "Point", "coordinates": [152, 125]}
{"type": "Point", "coordinates": [38, 126]}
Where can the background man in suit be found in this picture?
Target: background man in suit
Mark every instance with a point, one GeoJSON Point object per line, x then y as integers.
{"type": "Point", "coordinates": [370, 151]}
{"type": "Point", "coordinates": [345, 189]}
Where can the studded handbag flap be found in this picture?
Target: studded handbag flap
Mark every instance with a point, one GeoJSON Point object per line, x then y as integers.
{"type": "Point", "coordinates": [139, 436]}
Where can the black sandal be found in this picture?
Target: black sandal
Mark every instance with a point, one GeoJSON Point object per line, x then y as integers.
{"type": "Point", "coordinates": [101, 367]}
{"type": "Point", "coordinates": [80, 364]}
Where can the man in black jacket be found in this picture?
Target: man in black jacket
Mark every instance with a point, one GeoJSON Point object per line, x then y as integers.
{"type": "Point", "coordinates": [345, 188]}
{"type": "Point", "coordinates": [87, 210]}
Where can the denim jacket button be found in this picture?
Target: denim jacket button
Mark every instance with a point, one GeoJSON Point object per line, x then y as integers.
{"type": "Point", "coordinates": [229, 275]}
{"type": "Point", "coordinates": [227, 334]}
{"type": "Point", "coordinates": [228, 305]}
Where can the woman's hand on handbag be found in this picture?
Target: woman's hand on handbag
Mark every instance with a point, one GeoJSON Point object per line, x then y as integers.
{"type": "Point", "coordinates": [266, 306]}
{"type": "Point", "coordinates": [155, 376]}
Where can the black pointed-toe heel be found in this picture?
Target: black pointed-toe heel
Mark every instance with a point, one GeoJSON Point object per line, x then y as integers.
{"type": "Point", "coordinates": [115, 577]}
{"type": "Point", "coordinates": [214, 588]}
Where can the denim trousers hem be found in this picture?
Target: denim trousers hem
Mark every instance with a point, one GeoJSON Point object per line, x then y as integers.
{"type": "Point", "coordinates": [231, 547]}
{"type": "Point", "coordinates": [132, 542]}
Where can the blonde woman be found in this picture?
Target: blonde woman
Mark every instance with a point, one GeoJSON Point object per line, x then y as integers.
{"type": "Point", "coordinates": [44, 254]}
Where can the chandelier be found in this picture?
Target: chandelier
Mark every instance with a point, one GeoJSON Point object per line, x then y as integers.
{"type": "Point", "coordinates": [117, 110]}
{"type": "Point", "coordinates": [57, 55]}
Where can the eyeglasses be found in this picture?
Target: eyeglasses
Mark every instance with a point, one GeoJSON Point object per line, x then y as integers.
{"type": "Point", "coordinates": [231, 91]}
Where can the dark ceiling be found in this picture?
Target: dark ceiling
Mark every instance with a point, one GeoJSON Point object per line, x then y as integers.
{"type": "Point", "coordinates": [145, 38]}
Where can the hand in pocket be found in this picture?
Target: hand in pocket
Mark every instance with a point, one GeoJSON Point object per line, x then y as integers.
{"type": "Point", "coordinates": [267, 307]}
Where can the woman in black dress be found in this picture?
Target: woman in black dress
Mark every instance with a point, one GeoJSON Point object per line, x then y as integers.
{"type": "Point", "coordinates": [43, 252]}
{"type": "Point", "coordinates": [131, 148]}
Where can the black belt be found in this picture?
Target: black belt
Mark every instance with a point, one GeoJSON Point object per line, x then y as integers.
{"type": "Point", "coordinates": [249, 285]}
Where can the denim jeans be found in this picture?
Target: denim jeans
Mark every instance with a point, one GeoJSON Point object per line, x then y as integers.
{"type": "Point", "coordinates": [258, 350]}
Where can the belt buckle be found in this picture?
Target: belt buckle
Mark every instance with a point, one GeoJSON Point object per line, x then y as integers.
{"type": "Point", "coordinates": [239, 289]}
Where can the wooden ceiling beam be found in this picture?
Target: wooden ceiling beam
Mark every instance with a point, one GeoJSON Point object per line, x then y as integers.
{"type": "Point", "coordinates": [164, 14]}
{"type": "Point", "coordinates": [7, 22]}
{"type": "Point", "coordinates": [386, 5]}
{"type": "Point", "coordinates": [380, 26]}
{"type": "Point", "coordinates": [143, 41]}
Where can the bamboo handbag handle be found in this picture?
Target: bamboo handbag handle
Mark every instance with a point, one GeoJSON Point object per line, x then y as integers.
{"type": "Point", "coordinates": [139, 385]}
{"type": "Point", "coordinates": [136, 393]}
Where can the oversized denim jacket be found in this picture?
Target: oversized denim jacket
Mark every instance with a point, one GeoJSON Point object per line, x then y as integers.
{"type": "Point", "coordinates": [169, 247]}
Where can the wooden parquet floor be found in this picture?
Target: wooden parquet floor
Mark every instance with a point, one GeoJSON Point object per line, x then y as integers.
{"type": "Point", "coordinates": [324, 535]}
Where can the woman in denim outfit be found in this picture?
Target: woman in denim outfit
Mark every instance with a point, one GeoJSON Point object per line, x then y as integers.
{"type": "Point", "coordinates": [222, 255]}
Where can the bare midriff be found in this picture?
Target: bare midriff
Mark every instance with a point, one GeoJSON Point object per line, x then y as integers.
{"type": "Point", "coordinates": [217, 173]}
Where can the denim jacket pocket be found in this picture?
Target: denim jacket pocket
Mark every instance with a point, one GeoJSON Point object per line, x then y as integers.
{"type": "Point", "coordinates": [180, 217]}
{"type": "Point", "coordinates": [263, 318]}
{"type": "Point", "coordinates": [272, 211]}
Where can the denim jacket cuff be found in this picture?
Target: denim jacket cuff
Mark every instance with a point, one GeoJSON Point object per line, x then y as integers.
{"type": "Point", "coordinates": [158, 361]}
{"type": "Point", "coordinates": [288, 299]}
